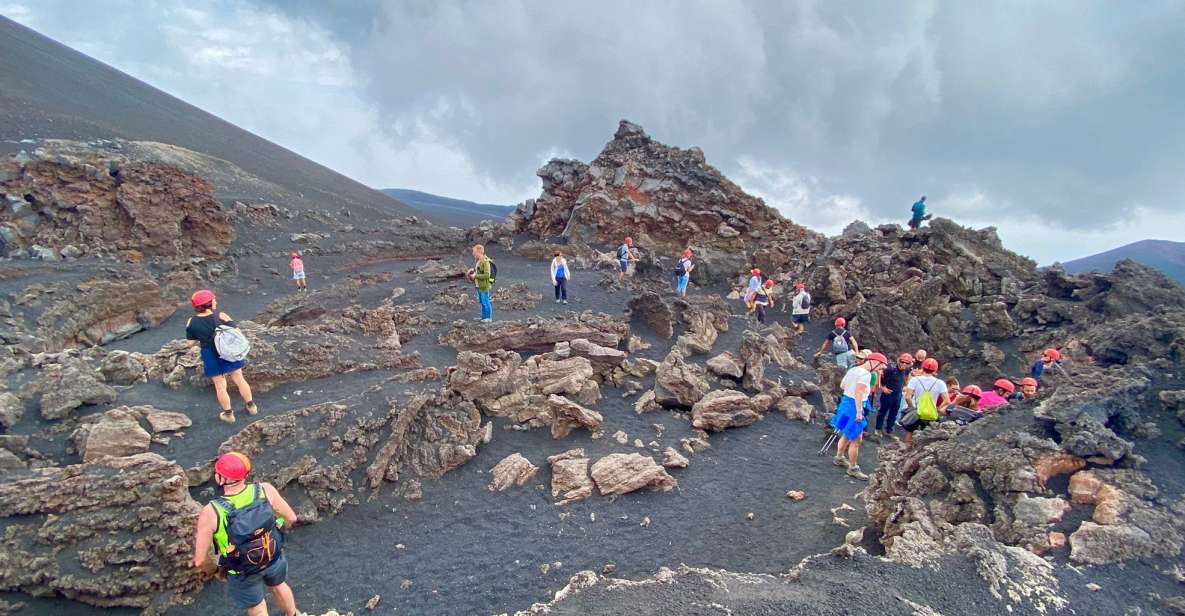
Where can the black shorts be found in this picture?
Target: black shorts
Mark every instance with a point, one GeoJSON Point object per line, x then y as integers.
{"type": "Point", "coordinates": [802, 318]}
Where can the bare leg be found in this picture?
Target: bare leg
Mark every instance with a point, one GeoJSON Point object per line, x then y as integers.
{"type": "Point", "coordinates": [241, 384]}
{"type": "Point", "coordinates": [258, 610]}
{"type": "Point", "coordinates": [841, 446]}
{"type": "Point", "coordinates": [284, 599]}
{"type": "Point", "coordinates": [220, 391]}
{"type": "Point", "coordinates": [854, 451]}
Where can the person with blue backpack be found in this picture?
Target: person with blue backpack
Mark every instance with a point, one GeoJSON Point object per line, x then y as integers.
{"type": "Point", "coordinates": [842, 344]}
{"type": "Point", "coordinates": [625, 256]}
{"type": "Point", "coordinates": [223, 351]}
{"type": "Point", "coordinates": [560, 275]}
{"type": "Point", "coordinates": [243, 526]}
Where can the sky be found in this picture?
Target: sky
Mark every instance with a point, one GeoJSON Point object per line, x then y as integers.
{"type": "Point", "coordinates": [1059, 123]}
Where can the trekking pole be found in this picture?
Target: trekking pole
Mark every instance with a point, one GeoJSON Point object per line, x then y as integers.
{"type": "Point", "coordinates": [830, 441]}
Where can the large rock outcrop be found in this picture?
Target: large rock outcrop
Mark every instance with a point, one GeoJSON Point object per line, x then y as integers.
{"type": "Point", "coordinates": [621, 473]}
{"type": "Point", "coordinates": [678, 383]}
{"type": "Point", "coordinates": [502, 384]}
{"type": "Point", "coordinates": [536, 334]}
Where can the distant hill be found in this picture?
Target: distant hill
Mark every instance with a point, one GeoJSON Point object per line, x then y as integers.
{"type": "Point", "coordinates": [49, 91]}
{"type": "Point", "coordinates": [1166, 256]}
{"type": "Point", "coordinates": [448, 211]}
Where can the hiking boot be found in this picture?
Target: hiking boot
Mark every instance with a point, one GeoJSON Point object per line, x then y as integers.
{"type": "Point", "coordinates": [564, 301]}
{"type": "Point", "coordinates": [855, 473]}
{"type": "Point", "coordinates": [251, 408]}
{"type": "Point", "coordinates": [875, 436]}
{"type": "Point", "coordinates": [227, 416]}
{"type": "Point", "coordinates": [840, 461]}
{"type": "Point", "coordinates": [557, 301]}
{"type": "Point", "coordinates": [487, 320]}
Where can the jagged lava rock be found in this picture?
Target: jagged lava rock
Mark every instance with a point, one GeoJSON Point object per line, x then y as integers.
{"type": "Point", "coordinates": [723, 409]}
{"type": "Point", "coordinates": [570, 481]}
{"type": "Point", "coordinates": [513, 470]}
{"type": "Point", "coordinates": [621, 473]}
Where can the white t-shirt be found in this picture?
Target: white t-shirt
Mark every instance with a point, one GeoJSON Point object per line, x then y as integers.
{"type": "Point", "coordinates": [921, 384]}
{"type": "Point", "coordinates": [855, 377]}
{"type": "Point", "coordinates": [798, 309]}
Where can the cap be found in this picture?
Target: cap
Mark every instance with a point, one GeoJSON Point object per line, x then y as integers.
{"type": "Point", "coordinates": [233, 465]}
{"type": "Point", "coordinates": [755, 272]}
{"type": "Point", "coordinates": [1004, 384]}
{"type": "Point", "coordinates": [629, 240]}
{"type": "Point", "coordinates": [877, 357]}
{"type": "Point", "coordinates": [841, 322]}
{"type": "Point", "coordinates": [930, 364]}
{"type": "Point", "coordinates": [972, 390]}
{"type": "Point", "coordinates": [202, 297]}
{"type": "Point", "coordinates": [1028, 381]}
{"type": "Point", "coordinates": [687, 253]}
{"type": "Point", "coordinates": [769, 284]}
{"type": "Point", "coordinates": [1052, 354]}
{"type": "Point", "coordinates": [905, 357]}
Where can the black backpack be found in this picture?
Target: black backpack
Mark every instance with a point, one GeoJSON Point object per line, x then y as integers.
{"type": "Point", "coordinates": [806, 301]}
{"type": "Point", "coordinates": [493, 271]}
{"type": "Point", "coordinates": [251, 535]}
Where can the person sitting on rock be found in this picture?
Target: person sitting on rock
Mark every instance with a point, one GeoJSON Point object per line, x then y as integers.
{"type": "Point", "coordinates": [751, 290]}
{"type": "Point", "coordinates": [1028, 388]}
{"type": "Point", "coordinates": [560, 275]}
{"type": "Point", "coordinates": [966, 406]}
{"type": "Point", "coordinates": [1049, 358]}
{"type": "Point", "coordinates": [998, 395]}
{"type": "Point", "coordinates": [297, 265]}
{"type": "Point", "coordinates": [683, 272]}
{"type": "Point", "coordinates": [482, 275]}
{"type": "Point", "coordinates": [925, 392]}
{"type": "Point", "coordinates": [842, 343]}
{"type": "Point", "coordinates": [850, 417]}
{"type": "Point", "coordinates": [625, 256]}
{"type": "Point", "coordinates": [764, 298]}
{"type": "Point", "coordinates": [199, 331]}
{"type": "Point", "coordinates": [891, 387]}
{"type": "Point", "coordinates": [800, 307]}
{"type": "Point", "coordinates": [243, 526]}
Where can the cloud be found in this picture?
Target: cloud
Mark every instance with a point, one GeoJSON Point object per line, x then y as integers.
{"type": "Point", "coordinates": [1059, 116]}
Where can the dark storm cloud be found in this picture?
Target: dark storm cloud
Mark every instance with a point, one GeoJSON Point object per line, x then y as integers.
{"type": "Point", "coordinates": [1067, 111]}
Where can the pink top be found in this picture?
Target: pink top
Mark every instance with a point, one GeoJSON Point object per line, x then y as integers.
{"type": "Point", "coordinates": [990, 399]}
{"type": "Point", "coordinates": [297, 265]}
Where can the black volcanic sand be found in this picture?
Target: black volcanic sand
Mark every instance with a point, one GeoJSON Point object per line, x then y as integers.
{"type": "Point", "coordinates": [465, 550]}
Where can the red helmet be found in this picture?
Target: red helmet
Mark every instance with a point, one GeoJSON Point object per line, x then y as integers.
{"type": "Point", "coordinates": [629, 241]}
{"type": "Point", "coordinates": [841, 322]}
{"type": "Point", "coordinates": [799, 285]}
{"type": "Point", "coordinates": [972, 390]}
{"type": "Point", "coordinates": [905, 357]}
{"type": "Point", "coordinates": [1052, 354]}
{"type": "Point", "coordinates": [877, 357]}
{"type": "Point", "coordinates": [1028, 381]}
{"type": "Point", "coordinates": [930, 365]}
{"type": "Point", "coordinates": [687, 253]}
{"type": "Point", "coordinates": [769, 284]}
{"type": "Point", "coordinates": [1004, 384]}
{"type": "Point", "coordinates": [755, 272]}
{"type": "Point", "coordinates": [201, 298]}
{"type": "Point", "coordinates": [233, 465]}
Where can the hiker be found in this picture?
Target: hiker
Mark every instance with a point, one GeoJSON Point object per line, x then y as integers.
{"type": "Point", "coordinates": [1049, 358]}
{"type": "Point", "coordinates": [919, 213]}
{"type": "Point", "coordinates": [763, 298]}
{"type": "Point", "coordinates": [243, 526]}
{"type": "Point", "coordinates": [800, 310]}
{"type": "Point", "coordinates": [1028, 388]}
{"type": "Point", "coordinates": [919, 357]}
{"type": "Point", "coordinates": [892, 384]}
{"type": "Point", "coordinates": [297, 265]}
{"type": "Point", "coordinates": [199, 331]}
{"type": "Point", "coordinates": [560, 275]}
{"type": "Point", "coordinates": [482, 275]}
{"type": "Point", "coordinates": [625, 256]}
{"type": "Point", "coordinates": [965, 408]}
{"type": "Point", "coordinates": [842, 343]}
{"type": "Point", "coordinates": [751, 290]}
{"type": "Point", "coordinates": [952, 384]}
{"type": "Point", "coordinates": [1001, 391]}
{"type": "Point", "coordinates": [683, 272]}
{"type": "Point", "coordinates": [850, 418]}
{"type": "Point", "coordinates": [927, 396]}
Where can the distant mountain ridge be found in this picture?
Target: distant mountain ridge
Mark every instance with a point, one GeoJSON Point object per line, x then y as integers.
{"type": "Point", "coordinates": [449, 211]}
{"type": "Point", "coordinates": [1164, 255]}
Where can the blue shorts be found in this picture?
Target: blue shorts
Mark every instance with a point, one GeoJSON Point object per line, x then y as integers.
{"type": "Point", "coordinates": [213, 365]}
{"type": "Point", "coordinates": [298, 275]}
{"type": "Point", "coordinates": [247, 591]}
{"type": "Point", "coordinates": [845, 422]}
{"type": "Point", "coordinates": [623, 264]}
{"type": "Point", "coordinates": [681, 285]}
{"type": "Point", "coordinates": [802, 318]}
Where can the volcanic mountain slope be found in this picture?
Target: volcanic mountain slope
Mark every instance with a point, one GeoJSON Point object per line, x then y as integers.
{"type": "Point", "coordinates": [49, 91]}
{"type": "Point", "coordinates": [1166, 256]}
{"type": "Point", "coordinates": [449, 211]}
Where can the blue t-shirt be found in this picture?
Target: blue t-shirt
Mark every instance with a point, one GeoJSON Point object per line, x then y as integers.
{"type": "Point", "coordinates": [919, 209]}
{"type": "Point", "coordinates": [1037, 370]}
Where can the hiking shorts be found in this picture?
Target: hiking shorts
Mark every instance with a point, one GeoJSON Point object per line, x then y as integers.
{"type": "Point", "coordinates": [845, 422]}
{"type": "Point", "coordinates": [298, 275]}
{"type": "Point", "coordinates": [802, 319]}
{"type": "Point", "coordinates": [247, 590]}
{"type": "Point", "coordinates": [847, 359]}
{"type": "Point", "coordinates": [624, 264]}
{"type": "Point", "coordinates": [213, 365]}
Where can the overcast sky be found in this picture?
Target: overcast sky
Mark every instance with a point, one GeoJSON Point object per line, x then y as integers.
{"type": "Point", "coordinates": [1061, 123]}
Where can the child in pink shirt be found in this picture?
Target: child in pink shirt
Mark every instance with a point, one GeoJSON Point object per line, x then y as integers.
{"type": "Point", "coordinates": [298, 271]}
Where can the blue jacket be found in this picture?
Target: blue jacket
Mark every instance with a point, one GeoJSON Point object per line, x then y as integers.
{"type": "Point", "coordinates": [919, 209]}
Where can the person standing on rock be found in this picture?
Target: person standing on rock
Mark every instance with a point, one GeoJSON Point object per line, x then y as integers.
{"type": "Point", "coordinates": [683, 272]}
{"type": "Point", "coordinates": [199, 331]}
{"type": "Point", "coordinates": [243, 526]}
{"type": "Point", "coordinates": [850, 419]}
{"type": "Point", "coordinates": [928, 395]}
{"type": "Point", "coordinates": [560, 275]}
{"type": "Point", "coordinates": [842, 343]}
{"type": "Point", "coordinates": [919, 213]}
{"type": "Point", "coordinates": [297, 265]}
{"type": "Point", "coordinates": [482, 275]}
{"type": "Point", "coordinates": [751, 290]}
{"type": "Point", "coordinates": [625, 256]}
{"type": "Point", "coordinates": [763, 298]}
{"type": "Point", "coordinates": [800, 307]}
{"type": "Point", "coordinates": [891, 388]}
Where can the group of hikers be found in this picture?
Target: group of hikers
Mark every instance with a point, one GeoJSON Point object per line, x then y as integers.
{"type": "Point", "coordinates": [244, 524]}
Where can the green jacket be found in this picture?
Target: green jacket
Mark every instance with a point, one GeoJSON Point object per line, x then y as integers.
{"type": "Point", "coordinates": [481, 275]}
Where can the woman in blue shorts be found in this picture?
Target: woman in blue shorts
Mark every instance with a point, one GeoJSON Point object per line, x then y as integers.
{"type": "Point", "coordinates": [199, 331]}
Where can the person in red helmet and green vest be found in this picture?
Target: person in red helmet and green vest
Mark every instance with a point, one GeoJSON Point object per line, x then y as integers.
{"type": "Point", "coordinates": [243, 527]}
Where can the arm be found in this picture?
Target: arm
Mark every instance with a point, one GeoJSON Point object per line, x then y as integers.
{"type": "Point", "coordinates": [823, 347]}
{"type": "Point", "coordinates": [280, 505]}
{"type": "Point", "coordinates": [861, 394]}
{"type": "Point", "coordinates": [225, 318]}
{"type": "Point", "coordinates": [188, 337]}
{"type": "Point", "coordinates": [908, 395]}
{"type": "Point", "coordinates": [553, 268]}
{"type": "Point", "coordinates": [855, 345]}
{"type": "Point", "coordinates": [943, 402]}
{"type": "Point", "coordinates": [482, 272]}
{"type": "Point", "coordinates": [567, 270]}
{"type": "Point", "coordinates": [203, 537]}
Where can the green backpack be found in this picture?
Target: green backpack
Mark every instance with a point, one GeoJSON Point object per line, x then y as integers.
{"type": "Point", "coordinates": [927, 410]}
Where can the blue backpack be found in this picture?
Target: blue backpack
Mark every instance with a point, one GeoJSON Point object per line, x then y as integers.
{"type": "Point", "coordinates": [252, 544]}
